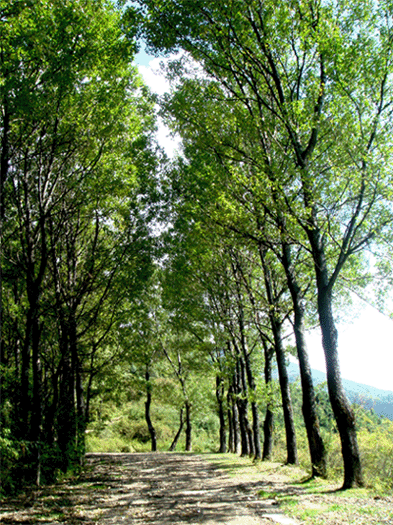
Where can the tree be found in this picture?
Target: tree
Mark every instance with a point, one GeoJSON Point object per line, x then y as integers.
{"type": "Point", "coordinates": [76, 128]}
{"type": "Point", "coordinates": [307, 74]}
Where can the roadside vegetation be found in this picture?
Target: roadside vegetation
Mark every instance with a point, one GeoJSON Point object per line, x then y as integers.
{"type": "Point", "coordinates": [123, 429]}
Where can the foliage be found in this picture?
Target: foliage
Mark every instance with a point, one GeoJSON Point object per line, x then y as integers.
{"type": "Point", "coordinates": [76, 133]}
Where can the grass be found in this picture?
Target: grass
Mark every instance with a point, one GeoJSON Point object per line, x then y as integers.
{"type": "Point", "coordinates": [310, 501]}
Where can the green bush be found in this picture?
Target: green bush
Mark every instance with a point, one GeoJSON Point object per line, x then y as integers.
{"type": "Point", "coordinates": [10, 452]}
{"type": "Point", "coordinates": [376, 448]}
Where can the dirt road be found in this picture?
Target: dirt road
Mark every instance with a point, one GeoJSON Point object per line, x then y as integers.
{"type": "Point", "coordinates": [156, 489]}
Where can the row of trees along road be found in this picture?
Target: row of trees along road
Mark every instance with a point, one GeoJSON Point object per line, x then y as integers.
{"type": "Point", "coordinates": [285, 117]}
{"type": "Point", "coordinates": [285, 111]}
{"type": "Point", "coordinates": [76, 147]}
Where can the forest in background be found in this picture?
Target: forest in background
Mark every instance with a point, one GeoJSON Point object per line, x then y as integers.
{"type": "Point", "coordinates": [146, 301]}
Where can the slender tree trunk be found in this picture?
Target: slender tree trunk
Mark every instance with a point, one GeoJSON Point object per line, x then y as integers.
{"type": "Point", "coordinates": [221, 413]}
{"type": "Point", "coordinates": [66, 414]}
{"type": "Point", "coordinates": [269, 417]}
{"type": "Point", "coordinates": [236, 428]}
{"type": "Point", "coordinates": [36, 412]}
{"type": "Point", "coordinates": [242, 406]}
{"type": "Point", "coordinates": [178, 433]}
{"type": "Point", "coordinates": [231, 437]}
{"type": "Point", "coordinates": [256, 435]}
{"type": "Point", "coordinates": [24, 400]}
{"type": "Point", "coordinates": [51, 409]}
{"type": "Point", "coordinates": [150, 426]}
{"type": "Point", "coordinates": [4, 159]}
{"type": "Point", "coordinates": [309, 407]}
{"type": "Point", "coordinates": [188, 426]}
{"type": "Point", "coordinates": [233, 420]}
{"type": "Point", "coordinates": [79, 408]}
{"type": "Point", "coordinates": [292, 457]}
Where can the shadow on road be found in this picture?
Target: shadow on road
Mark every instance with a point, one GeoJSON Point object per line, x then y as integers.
{"type": "Point", "coordinates": [156, 489]}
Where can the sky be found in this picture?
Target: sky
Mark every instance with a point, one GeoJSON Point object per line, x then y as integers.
{"type": "Point", "coordinates": [365, 342]}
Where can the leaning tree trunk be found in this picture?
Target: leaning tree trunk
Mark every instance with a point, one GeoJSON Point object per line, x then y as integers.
{"type": "Point", "coordinates": [152, 431]}
{"type": "Point", "coordinates": [178, 433]}
{"type": "Point", "coordinates": [309, 407]}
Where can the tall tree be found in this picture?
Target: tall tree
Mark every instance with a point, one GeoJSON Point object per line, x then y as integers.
{"type": "Point", "coordinates": [75, 124]}
{"type": "Point", "coordinates": [317, 87]}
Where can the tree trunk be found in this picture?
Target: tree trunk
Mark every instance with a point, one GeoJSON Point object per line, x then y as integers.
{"type": "Point", "coordinates": [342, 410]}
{"type": "Point", "coordinates": [221, 413]}
{"type": "Point", "coordinates": [275, 323]}
{"type": "Point", "coordinates": [256, 435]}
{"type": "Point", "coordinates": [236, 428]}
{"type": "Point", "coordinates": [79, 408]}
{"type": "Point", "coordinates": [4, 159]}
{"type": "Point", "coordinates": [309, 407]}
{"type": "Point", "coordinates": [292, 458]}
{"type": "Point", "coordinates": [150, 426]}
{"type": "Point", "coordinates": [36, 412]}
{"type": "Point", "coordinates": [233, 420]}
{"type": "Point", "coordinates": [242, 406]}
{"type": "Point", "coordinates": [231, 437]}
{"type": "Point", "coordinates": [24, 398]}
{"type": "Point", "coordinates": [178, 433]}
{"type": "Point", "coordinates": [188, 426]}
{"type": "Point", "coordinates": [269, 417]}
{"type": "Point", "coordinates": [66, 414]}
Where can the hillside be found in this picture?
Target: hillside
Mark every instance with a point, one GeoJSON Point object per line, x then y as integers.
{"type": "Point", "coordinates": [365, 395]}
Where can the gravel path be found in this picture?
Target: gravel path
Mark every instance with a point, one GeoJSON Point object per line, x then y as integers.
{"type": "Point", "coordinates": [156, 489]}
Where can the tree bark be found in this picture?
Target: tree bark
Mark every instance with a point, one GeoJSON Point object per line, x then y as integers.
{"type": "Point", "coordinates": [221, 413]}
{"type": "Point", "coordinates": [256, 435]}
{"type": "Point", "coordinates": [178, 433]}
{"type": "Point", "coordinates": [343, 413]}
{"type": "Point", "coordinates": [188, 426]}
{"type": "Point", "coordinates": [242, 407]}
{"type": "Point", "coordinates": [269, 416]}
{"type": "Point", "coordinates": [236, 428]}
{"type": "Point", "coordinates": [309, 407]}
{"type": "Point", "coordinates": [292, 457]}
{"type": "Point", "coordinates": [152, 431]}
{"type": "Point", "coordinates": [231, 437]}
{"type": "Point", "coordinates": [4, 159]}
{"type": "Point", "coordinates": [233, 420]}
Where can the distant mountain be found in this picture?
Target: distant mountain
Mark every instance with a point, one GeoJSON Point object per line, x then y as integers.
{"type": "Point", "coordinates": [381, 401]}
